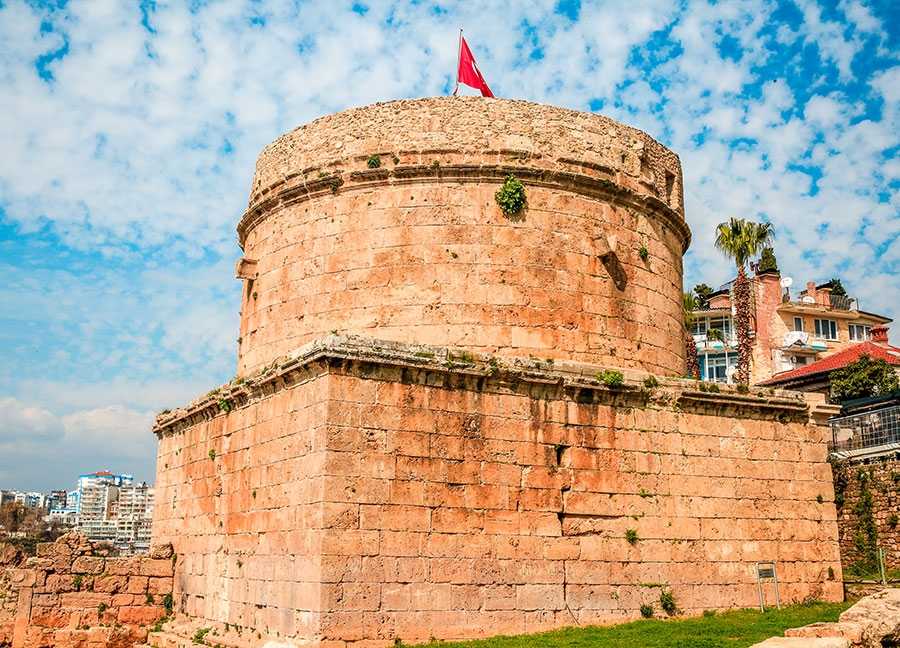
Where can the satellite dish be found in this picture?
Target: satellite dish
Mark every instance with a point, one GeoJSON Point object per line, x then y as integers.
{"type": "Point", "coordinates": [786, 282]}
{"type": "Point", "coordinates": [808, 300]}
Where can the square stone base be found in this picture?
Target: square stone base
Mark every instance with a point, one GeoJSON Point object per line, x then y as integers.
{"type": "Point", "coordinates": [365, 492]}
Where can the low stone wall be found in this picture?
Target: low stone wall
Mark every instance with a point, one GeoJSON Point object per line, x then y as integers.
{"type": "Point", "coordinates": [73, 594]}
{"type": "Point", "coordinates": [868, 504]}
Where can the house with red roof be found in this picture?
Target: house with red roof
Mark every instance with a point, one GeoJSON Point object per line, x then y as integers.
{"type": "Point", "coordinates": [815, 377]}
{"type": "Point", "coordinates": [790, 330]}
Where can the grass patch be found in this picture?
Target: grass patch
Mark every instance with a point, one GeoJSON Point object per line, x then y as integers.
{"type": "Point", "coordinates": [737, 629]}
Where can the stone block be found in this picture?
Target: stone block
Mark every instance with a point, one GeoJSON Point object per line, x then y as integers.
{"type": "Point", "coordinates": [156, 567]}
{"type": "Point", "coordinates": [88, 565]}
{"type": "Point", "coordinates": [140, 614]}
{"type": "Point", "coordinates": [110, 584]}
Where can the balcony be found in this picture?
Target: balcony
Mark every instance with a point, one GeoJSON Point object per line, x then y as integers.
{"type": "Point", "coordinates": [867, 434]}
{"type": "Point", "coordinates": [707, 342]}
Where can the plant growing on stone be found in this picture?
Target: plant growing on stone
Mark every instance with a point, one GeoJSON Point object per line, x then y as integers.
{"type": "Point", "coordinates": [742, 240]}
{"type": "Point", "coordinates": [168, 603]}
{"type": "Point", "coordinates": [667, 602]}
{"type": "Point", "coordinates": [893, 521]}
{"type": "Point", "coordinates": [689, 304]}
{"type": "Point", "coordinates": [212, 454]}
{"type": "Point", "coordinates": [631, 536]}
{"type": "Point", "coordinates": [611, 378]}
{"type": "Point", "coordinates": [644, 253]}
{"type": "Point", "coordinates": [650, 382]}
{"type": "Point", "coordinates": [865, 541]}
{"type": "Point", "coordinates": [646, 611]}
{"type": "Point", "coordinates": [374, 161]}
{"type": "Point", "coordinates": [510, 196]}
{"type": "Point", "coordinates": [200, 636]}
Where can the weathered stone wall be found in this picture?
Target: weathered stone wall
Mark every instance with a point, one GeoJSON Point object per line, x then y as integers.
{"type": "Point", "coordinates": [417, 250]}
{"type": "Point", "coordinates": [71, 595]}
{"type": "Point", "coordinates": [240, 497]}
{"type": "Point", "coordinates": [371, 491]}
{"type": "Point", "coordinates": [10, 558]}
{"type": "Point", "coordinates": [881, 480]}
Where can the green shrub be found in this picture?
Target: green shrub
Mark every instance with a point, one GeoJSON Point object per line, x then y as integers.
{"type": "Point", "coordinates": [510, 196]}
{"type": "Point", "coordinates": [631, 536]}
{"type": "Point", "coordinates": [611, 378]}
{"type": "Point", "coordinates": [646, 611]}
{"type": "Point", "coordinates": [200, 636]}
{"type": "Point", "coordinates": [667, 602]}
{"type": "Point", "coordinates": [374, 161]}
{"type": "Point", "coordinates": [169, 604]}
{"type": "Point", "coordinates": [212, 454]}
{"type": "Point", "coordinates": [650, 382]}
{"type": "Point", "coordinates": [644, 253]}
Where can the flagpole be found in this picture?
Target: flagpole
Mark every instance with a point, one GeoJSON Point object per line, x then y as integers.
{"type": "Point", "coordinates": [458, 52]}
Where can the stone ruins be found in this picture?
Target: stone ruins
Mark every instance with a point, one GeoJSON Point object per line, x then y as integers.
{"type": "Point", "coordinates": [450, 422]}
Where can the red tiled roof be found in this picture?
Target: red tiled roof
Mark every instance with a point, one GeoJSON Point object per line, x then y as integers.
{"type": "Point", "coordinates": [876, 351]}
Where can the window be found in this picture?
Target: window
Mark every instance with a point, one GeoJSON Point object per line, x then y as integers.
{"type": "Point", "coordinates": [700, 327]}
{"type": "Point", "coordinates": [717, 367]}
{"type": "Point", "coordinates": [826, 329]}
{"type": "Point", "coordinates": [859, 332]}
{"type": "Point", "coordinates": [798, 324]}
{"type": "Point", "coordinates": [721, 324]}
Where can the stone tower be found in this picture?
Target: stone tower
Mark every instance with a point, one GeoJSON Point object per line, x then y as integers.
{"type": "Point", "coordinates": [448, 422]}
{"type": "Point", "coordinates": [381, 221]}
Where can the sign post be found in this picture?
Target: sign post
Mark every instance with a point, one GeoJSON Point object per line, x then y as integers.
{"type": "Point", "coordinates": [765, 571]}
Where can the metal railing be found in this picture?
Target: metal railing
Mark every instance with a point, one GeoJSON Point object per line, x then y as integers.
{"type": "Point", "coordinates": [841, 302]}
{"type": "Point", "coordinates": [866, 430]}
{"type": "Point", "coordinates": [835, 302]}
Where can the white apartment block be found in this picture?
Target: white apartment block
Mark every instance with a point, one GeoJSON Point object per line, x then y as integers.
{"type": "Point", "coordinates": [113, 509]}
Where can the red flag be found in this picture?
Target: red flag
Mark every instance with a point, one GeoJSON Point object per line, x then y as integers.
{"type": "Point", "coordinates": [468, 72]}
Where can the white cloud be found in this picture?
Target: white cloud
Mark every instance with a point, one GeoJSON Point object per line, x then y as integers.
{"type": "Point", "coordinates": [128, 431]}
{"type": "Point", "coordinates": [27, 423]}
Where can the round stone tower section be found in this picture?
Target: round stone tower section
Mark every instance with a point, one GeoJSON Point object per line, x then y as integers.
{"type": "Point", "coordinates": [382, 221]}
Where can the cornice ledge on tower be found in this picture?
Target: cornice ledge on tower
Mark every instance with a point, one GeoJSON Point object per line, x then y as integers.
{"type": "Point", "coordinates": [458, 368]}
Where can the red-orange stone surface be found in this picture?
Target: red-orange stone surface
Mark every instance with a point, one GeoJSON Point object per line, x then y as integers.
{"type": "Point", "coordinates": [382, 221]}
{"type": "Point", "coordinates": [364, 492]}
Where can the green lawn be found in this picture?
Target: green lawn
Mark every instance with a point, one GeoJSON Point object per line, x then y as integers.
{"type": "Point", "coordinates": [736, 629]}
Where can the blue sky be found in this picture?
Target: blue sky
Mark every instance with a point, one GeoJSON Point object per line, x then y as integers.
{"type": "Point", "coordinates": [130, 131]}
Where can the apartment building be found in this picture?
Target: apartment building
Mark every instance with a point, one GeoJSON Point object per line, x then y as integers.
{"type": "Point", "coordinates": [111, 508]}
{"type": "Point", "coordinates": [788, 330]}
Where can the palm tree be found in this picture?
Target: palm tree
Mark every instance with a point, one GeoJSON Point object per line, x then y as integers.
{"type": "Point", "coordinates": [689, 304]}
{"type": "Point", "coordinates": [742, 240]}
